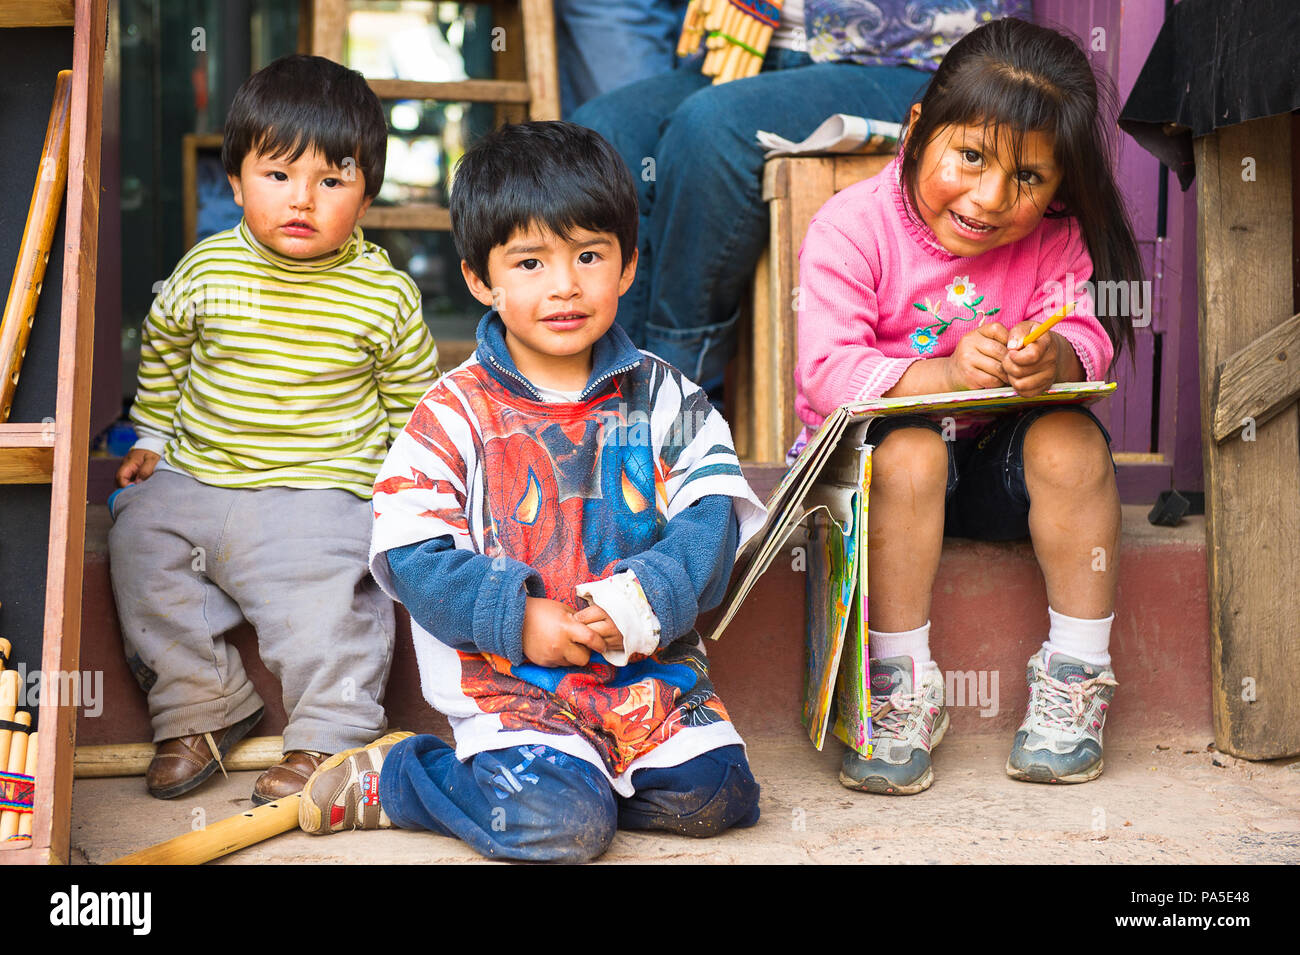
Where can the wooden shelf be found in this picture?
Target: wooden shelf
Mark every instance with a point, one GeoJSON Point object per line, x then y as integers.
{"type": "Point", "coordinates": [47, 13]}
{"type": "Point", "coordinates": [26, 453]}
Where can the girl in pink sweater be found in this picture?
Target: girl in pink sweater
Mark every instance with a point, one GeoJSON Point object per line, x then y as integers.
{"type": "Point", "coordinates": [1000, 207]}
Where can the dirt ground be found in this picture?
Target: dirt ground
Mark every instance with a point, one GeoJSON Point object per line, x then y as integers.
{"type": "Point", "coordinates": [1159, 801]}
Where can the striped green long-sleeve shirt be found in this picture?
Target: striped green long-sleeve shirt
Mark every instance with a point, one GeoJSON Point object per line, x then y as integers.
{"type": "Point", "coordinates": [260, 370]}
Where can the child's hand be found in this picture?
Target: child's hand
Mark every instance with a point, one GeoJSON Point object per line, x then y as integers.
{"type": "Point", "coordinates": [1032, 369]}
{"type": "Point", "coordinates": [553, 637]}
{"type": "Point", "coordinates": [601, 623]}
{"type": "Point", "coordinates": [137, 466]}
{"type": "Point", "coordinates": [977, 361]}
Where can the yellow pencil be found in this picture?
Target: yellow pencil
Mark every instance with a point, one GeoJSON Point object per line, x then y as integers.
{"type": "Point", "coordinates": [1040, 330]}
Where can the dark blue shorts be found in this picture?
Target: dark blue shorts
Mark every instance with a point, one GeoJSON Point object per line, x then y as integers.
{"type": "Point", "coordinates": [987, 498]}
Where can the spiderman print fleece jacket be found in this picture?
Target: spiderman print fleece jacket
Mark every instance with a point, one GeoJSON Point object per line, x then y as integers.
{"type": "Point", "coordinates": [491, 494]}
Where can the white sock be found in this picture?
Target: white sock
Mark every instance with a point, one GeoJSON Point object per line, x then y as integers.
{"type": "Point", "coordinates": [1086, 640]}
{"type": "Point", "coordinates": [912, 643]}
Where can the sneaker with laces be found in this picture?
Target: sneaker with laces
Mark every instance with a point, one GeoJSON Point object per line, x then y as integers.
{"type": "Point", "coordinates": [1060, 738]}
{"type": "Point", "coordinates": [343, 793]}
{"type": "Point", "coordinates": [905, 725]}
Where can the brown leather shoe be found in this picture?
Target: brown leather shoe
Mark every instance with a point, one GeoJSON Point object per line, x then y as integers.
{"type": "Point", "coordinates": [286, 777]}
{"type": "Point", "coordinates": [183, 762]}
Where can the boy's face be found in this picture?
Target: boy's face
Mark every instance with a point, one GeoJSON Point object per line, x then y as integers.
{"type": "Point", "coordinates": [556, 298]}
{"type": "Point", "coordinates": [300, 209]}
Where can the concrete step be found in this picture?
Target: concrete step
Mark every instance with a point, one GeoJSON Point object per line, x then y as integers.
{"type": "Point", "coordinates": [989, 615]}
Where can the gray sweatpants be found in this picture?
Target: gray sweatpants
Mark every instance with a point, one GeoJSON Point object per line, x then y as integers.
{"type": "Point", "coordinates": [189, 561]}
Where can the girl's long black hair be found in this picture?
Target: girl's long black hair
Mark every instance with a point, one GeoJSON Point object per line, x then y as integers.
{"type": "Point", "coordinates": [1014, 77]}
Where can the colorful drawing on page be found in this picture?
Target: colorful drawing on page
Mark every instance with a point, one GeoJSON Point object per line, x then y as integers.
{"type": "Point", "coordinates": [853, 688]}
{"type": "Point", "coordinates": [832, 558]}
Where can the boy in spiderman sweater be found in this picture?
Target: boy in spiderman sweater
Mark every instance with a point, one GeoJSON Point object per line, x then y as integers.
{"type": "Point", "coordinates": [556, 513]}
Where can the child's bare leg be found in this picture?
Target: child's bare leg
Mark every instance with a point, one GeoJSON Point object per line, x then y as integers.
{"type": "Point", "coordinates": [1074, 519]}
{"type": "Point", "coordinates": [909, 474]}
{"type": "Point", "coordinates": [1074, 513]}
{"type": "Point", "coordinates": [909, 477]}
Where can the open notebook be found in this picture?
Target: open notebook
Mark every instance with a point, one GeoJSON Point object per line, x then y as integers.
{"type": "Point", "coordinates": [828, 486]}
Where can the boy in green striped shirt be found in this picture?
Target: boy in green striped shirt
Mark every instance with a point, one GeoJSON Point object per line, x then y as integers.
{"type": "Point", "coordinates": [277, 363]}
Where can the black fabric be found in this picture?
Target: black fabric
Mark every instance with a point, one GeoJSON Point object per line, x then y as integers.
{"type": "Point", "coordinates": [1215, 63]}
{"type": "Point", "coordinates": [986, 496]}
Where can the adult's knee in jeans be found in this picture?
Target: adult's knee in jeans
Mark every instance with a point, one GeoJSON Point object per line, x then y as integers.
{"type": "Point", "coordinates": [598, 114]}
{"type": "Point", "coordinates": [705, 143]}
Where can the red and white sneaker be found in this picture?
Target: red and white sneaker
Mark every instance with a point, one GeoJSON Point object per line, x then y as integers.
{"type": "Point", "coordinates": [344, 792]}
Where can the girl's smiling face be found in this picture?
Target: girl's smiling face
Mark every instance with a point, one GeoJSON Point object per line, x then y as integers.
{"type": "Point", "coordinates": [976, 194]}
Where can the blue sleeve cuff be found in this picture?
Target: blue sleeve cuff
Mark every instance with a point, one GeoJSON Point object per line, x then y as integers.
{"type": "Point", "coordinates": [465, 600]}
{"type": "Point", "coordinates": [499, 606]}
{"type": "Point", "coordinates": [668, 590]}
{"type": "Point", "coordinates": [688, 569]}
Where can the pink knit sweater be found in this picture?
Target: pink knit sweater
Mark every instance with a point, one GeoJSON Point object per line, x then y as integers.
{"type": "Point", "coordinates": [877, 292]}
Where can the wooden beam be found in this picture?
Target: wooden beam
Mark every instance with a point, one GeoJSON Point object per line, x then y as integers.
{"type": "Point", "coordinates": [508, 59]}
{"type": "Point", "coordinates": [36, 13]}
{"type": "Point", "coordinates": [426, 216]}
{"type": "Point", "coordinates": [540, 59]}
{"type": "Point", "coordinates": [132, 759]}
{"type": "Point", "coordinates": [1252, 488]}
{"type": "Point", "coordinates": [1259, 380]}
{"type": "Point", "coordinates": [329, 27]}
{"type": "Point", "coordinates": [454, 91]}
{"type": "Point", "coordinates": [26, 465]}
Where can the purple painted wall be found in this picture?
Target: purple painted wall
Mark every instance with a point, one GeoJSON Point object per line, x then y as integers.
{"type": "Point", "coordinates": [1156, 414]}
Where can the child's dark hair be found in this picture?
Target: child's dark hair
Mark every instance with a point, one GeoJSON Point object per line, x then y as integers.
{"type": "Point", "coordinates": [555, 175]}
{"type": "Point", "coordinates": [303, 102]}
{"type": "Point", "coordinates": [1019, 77]}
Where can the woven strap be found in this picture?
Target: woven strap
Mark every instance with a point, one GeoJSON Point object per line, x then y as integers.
{"type": "Point", "coordinates": [734, 42]}
{"type": "Point", "coordinates": [769, 13]}
{"type": "Point", "coordinates": [17, 792]}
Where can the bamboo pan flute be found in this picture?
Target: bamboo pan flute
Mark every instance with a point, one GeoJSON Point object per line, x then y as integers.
{"type": "Point", "coordinates": [735, 40]}
{"type": "Point", "coordinates": [18, 751]}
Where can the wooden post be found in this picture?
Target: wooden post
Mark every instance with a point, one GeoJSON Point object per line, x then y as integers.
{"type": "Point", "coordinates": [1252, 480]}
{"type": "Point", "coordinates": [329, 27]}
{"type": "Point", "coordinates": [540, 59]}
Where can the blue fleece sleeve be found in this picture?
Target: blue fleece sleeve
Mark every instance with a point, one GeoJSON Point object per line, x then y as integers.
{"type": "Point", "coordinates": [687, 571]}
{"type": "Point", "coordinates": [466, 600]}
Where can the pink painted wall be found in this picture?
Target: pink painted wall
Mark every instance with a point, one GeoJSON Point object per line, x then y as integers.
{"type": "Point", "coordinates": [1157, 409]}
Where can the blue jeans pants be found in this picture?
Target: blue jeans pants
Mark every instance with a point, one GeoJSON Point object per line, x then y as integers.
{"type": "Point", "coordinates": [699, 175]}
{"type": "Point", "coordinates": [603, 45]}
{"type": "Point", "coordinates": [537, 804]}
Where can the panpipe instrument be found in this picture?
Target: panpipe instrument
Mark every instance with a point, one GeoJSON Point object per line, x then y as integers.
{"type": "Point", "coordinates": [38, 236]}
{"type": "Point", "coordinates": [735, 34]}
{"type": "Point", "coordinates": [17, 760]}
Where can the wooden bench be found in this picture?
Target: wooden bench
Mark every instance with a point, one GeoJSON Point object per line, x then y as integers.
{"type": "Point", "coordinates": [794, 187]}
